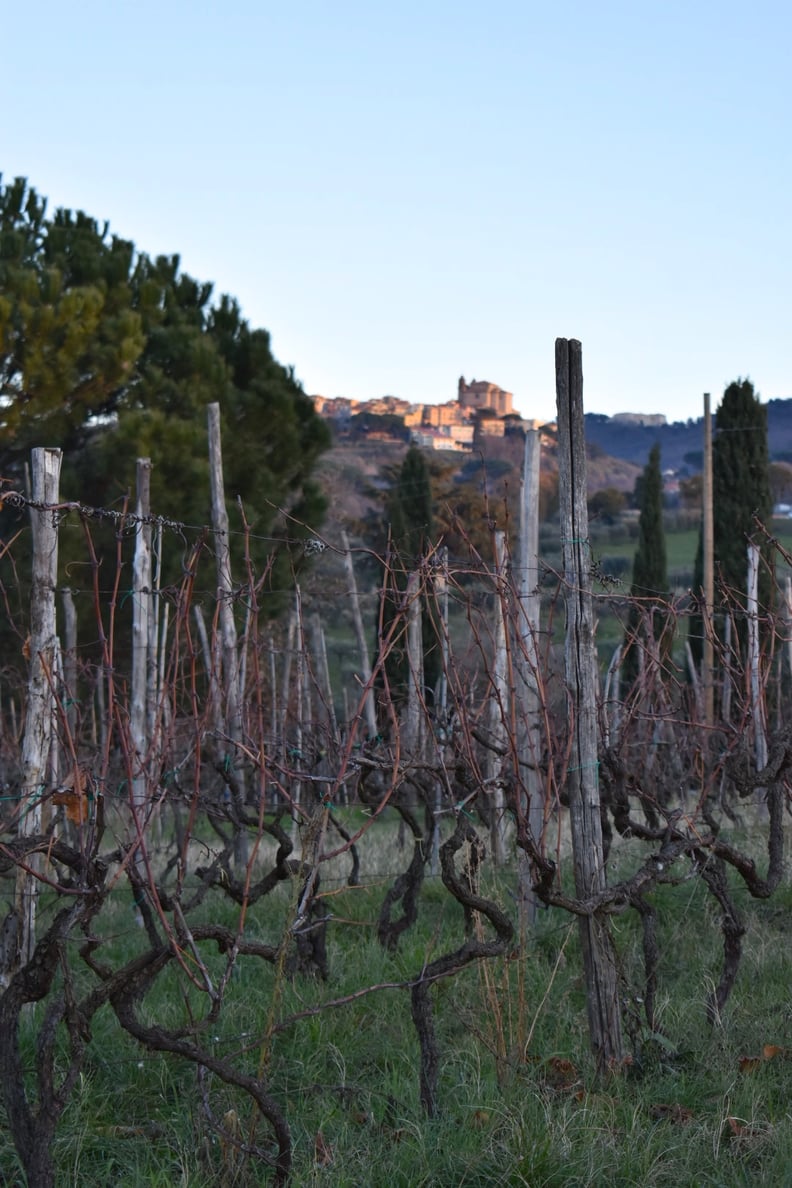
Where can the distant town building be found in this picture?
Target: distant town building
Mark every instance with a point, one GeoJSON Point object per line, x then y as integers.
{"type": "Point", "coordinates": [491, 427]}
{"type": "Point", "coordinates": [481, 408]}
{"type": "Point", "coordinates": [445, 414]}
{"type": "Point", "coordinates": [479, 395]}
{"type": "Point", "coordinates": [640, 418]}
{"type": "Point", "coordinates": [451, 437]}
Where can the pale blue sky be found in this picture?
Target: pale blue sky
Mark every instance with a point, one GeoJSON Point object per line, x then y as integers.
{"type": "Point", "coordinates": [406, 192]}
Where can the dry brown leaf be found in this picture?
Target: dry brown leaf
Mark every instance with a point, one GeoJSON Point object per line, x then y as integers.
{"type": "Point", "coordinates": [75, 804]}
{"type": "Point", "coordinates": [76, 797]}
{"type": "Point", "coordinates": [770, 1051]}
{"type": "Point", "coordinates": [394, 1134]}
{"type": "Point", "coordinates": [323, 1152]}
{"type": "Point", "coordinates": [232, 1130]}
{"type": "Point", "coordinates": [560, 1073]}
{"type": "Point", "coordinates": [671, 1112]}
{"type": "Point", "coordinates": [749, 1064]}
{"type": "Point", "coordinates": [480, 1119]}
{"type": "Point", "coordinates": [739, 1130]}
{"type": "Point", "coordinates": [26, 649]}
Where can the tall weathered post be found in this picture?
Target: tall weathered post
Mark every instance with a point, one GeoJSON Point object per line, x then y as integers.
{"type": "Point", "coordinates": [46, 464]}
{"type": "Point", "coordinates": [357, 618]}
{"type": "Point", "coordinates": [228, 632]}
{"type": "Point", "coordinates": [708, 555]}
{"type": "Point", "coordinates": [758, 705]}
{"type": "Point", "coordinates": [528, 662]}
{"type": "Point", "coordinates": [413, 720]}
{"type": "Point", "coordinates": [498, 709]}
{"type": "Point", "coordinates": [141, 613]}
{"type": "Point", "coordinates": [580, 666]}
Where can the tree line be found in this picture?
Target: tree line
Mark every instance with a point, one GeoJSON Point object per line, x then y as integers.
{"type": "Point", "coordinates": [110, 354]}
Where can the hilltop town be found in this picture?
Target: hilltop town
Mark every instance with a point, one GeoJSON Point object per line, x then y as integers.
{"type": "Point", "coordinates": [481, 410]}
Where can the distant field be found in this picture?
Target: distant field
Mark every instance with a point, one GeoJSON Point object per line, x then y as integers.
{"type": "Point", "coordinates": [681, 549]}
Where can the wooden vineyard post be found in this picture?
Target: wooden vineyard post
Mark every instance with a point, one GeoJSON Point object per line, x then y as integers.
{"type": "Point", "coordinates": [232, 693]}
{"type": "Point", "coordinates": [580, 666]}
{"type": "Point", "coordinates": [413, 724]}
{"type": "Point", "coordinates": [46, 465]}
{"type": "Point", "coordinates": [360, 635]}
{"type": "Point", "coordinates": [528, 663]}
{"type": "Point", "coordinates": [70, 658]}
{"type": "Point", "coordinates": [322, 670]}
{"type": "Point", "coordinates": [141, 612]}
{"type": "Point", "coordinates": [708, 555]}
{"type": "Point", "coordinates": [758, 705]}
{"type": "Point", "coordinates": [498, 709]}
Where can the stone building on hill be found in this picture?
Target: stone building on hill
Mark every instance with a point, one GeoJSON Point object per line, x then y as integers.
{"type": "Point", "coordinates": [479, 394]}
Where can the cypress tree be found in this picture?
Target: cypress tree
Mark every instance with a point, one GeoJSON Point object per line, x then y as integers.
{"type": "Point", "coordinates": [741, 494]}
{"type": "Point", "coordinates": [650, 567]}
{"type": "Point", "coordinates": [411, 531]}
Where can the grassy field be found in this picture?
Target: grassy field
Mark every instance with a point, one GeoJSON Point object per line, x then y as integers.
{"type": "Point", "coordinates": [520, 1103]}
{"type": "Point", "coordinates": [680, 547]}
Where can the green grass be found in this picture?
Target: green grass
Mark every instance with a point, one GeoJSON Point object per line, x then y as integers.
{"type": "Point", "coordinates": [350, 1073]}
{"type": "Point", "coordinates": [680, 548]}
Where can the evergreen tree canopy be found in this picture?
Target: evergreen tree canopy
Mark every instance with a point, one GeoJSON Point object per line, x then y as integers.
{"type": "Point", "coordinates": [740, 479]}
{"type": "Point", "coordinates": [650, 567]}
{"type": "Point", "coordinates": [740, 492]}
{"type": "Point", "coordinates": [112, 355]}
{"type": "Point", "coordinates": [410, 508]}
{"type": "Point", "coordinates": [411, 530]}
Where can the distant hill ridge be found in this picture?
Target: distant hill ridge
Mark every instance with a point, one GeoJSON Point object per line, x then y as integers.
{"type": "Point", "coordinates": [630, 436]}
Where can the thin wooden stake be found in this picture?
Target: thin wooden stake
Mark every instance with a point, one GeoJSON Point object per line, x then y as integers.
{"type": "Point", "coordinates": [363, 652]}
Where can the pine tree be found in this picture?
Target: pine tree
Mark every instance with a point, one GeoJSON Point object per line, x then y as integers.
{"type": "Point", "coordinates": [111, 355]}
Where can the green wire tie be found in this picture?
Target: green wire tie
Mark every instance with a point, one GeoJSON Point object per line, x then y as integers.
{"type": "Point", "coordinates": [460, 808]}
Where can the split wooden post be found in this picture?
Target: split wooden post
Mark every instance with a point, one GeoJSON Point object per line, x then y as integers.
{"type": "Point", "coordinates": [46, 464]}
{"type": "Point", "coordinates": [580, 664]}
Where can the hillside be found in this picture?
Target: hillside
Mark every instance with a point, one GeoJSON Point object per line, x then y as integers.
{"type": "Point", "coordinates": [356, 474]}
{"type": "Point", "coordinates": [357, 471]}
{"type": "Point", "coordinates": [680, 442]}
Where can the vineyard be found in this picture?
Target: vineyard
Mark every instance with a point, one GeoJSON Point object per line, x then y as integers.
{"type": "Point", "coordinates": [520, 922]}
